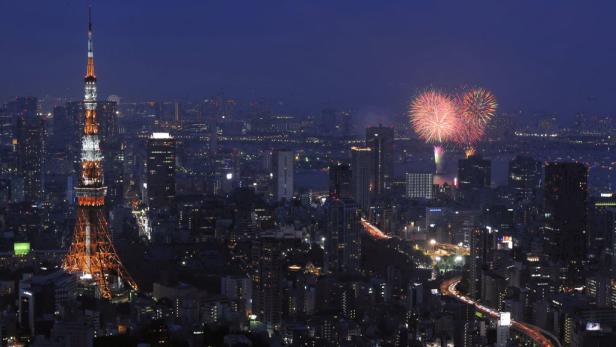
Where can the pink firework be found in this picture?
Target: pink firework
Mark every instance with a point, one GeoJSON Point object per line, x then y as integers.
{"type": "Point", "coordinates": [433, 116]}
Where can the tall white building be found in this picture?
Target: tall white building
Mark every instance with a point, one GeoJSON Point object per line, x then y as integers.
{"type": "Point", "coordinates": [282, 174]}
{"type": "Point", "coordinates": [502, 330]}
{"type": "Point", "coordinates": [419, 185]}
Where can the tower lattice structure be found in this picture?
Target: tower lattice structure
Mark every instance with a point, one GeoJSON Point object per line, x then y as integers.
{"type": "Point", "coordinates": [91, 253]}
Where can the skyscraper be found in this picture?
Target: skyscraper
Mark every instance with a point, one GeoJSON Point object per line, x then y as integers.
{"type": "Point", "coordinates": [267, 257]}
{"type": "Point", "coordinates": [6, 126]}
{"type": "Point", "coordinates": [381, 141]}
{"type": "Point", "coordinates": [362, 184]}
{"type": "Point", "coordinates": [282, 174]}
{"type": "Point", "coordinates": [29, 136]}
{"type": "Point", "coordinates": [92, 254]}
{"type": "Point", "coordinates": [340, 176]}
{"type": "Point", "coordinates": [481, 242]}
{"type": "Point", "coordinates": [343, 236]}
{"type": "Point", "coordinates": [566, 195]}
{"type": "Point", "coordinates": [474, 175]}
{"type": "Point", "coordinates": [525, 175]}
{"type": "Point", "coordinates": [161, 171]}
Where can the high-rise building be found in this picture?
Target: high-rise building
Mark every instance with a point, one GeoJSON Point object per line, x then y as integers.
{"type": "Point", "coordinates": [502, 329]}
{"type": "Point", "coordinates": [340, 176]}
{"type": "Point", "coordinates": [474, 173]}
{"type": "Point", "coordinates": [6, 126]}
{"type": "Point", "coordinates": [474, 176]}
{"type": "Point", "coordinates": [381, 141]}
{"type": "Point", "coordinates": [419, 185]}
{"type": "Point", "coordinates": [161, 171]}
{"type": "Point", "coordinates": [361, 168]}
{"type": "Point", "coordinates": [113, 151]}
{"type": "Point", "coordinates": [343, 236]}
{"type": "Point", "coordinates": [267, 257]}
{"type": "Point", "coordinates": [92, 254]}
{"type": "Point", "coordinates": [525, 175]}
{"type": "Point", "coordinates": [282, 174]}
{"type": "Point", "coordinates": [482, 245]}
{"type": "Point", "coordinates": [30, 133]}
{"type": "Point", "coordinates": [566, 195]}
{"type": "Point", "coordinates": [25, 107]}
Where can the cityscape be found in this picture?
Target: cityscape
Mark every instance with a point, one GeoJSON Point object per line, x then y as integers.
{"type": "Point", "coordinates": [461, 215]}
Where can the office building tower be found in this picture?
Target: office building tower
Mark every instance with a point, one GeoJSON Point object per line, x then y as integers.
{"type": "Point", "coordinates": [525, 176]}
{"type": "Point", "coordinates": [30, 133]}
{"type": "Point", "coordinates": [340, 176]}
{"type": "Point", "coordinates": [502, 329]}
{"type": "Point", "coordinates": [362, 184]}
{"type": "Point", "coordinates": [6, 126]}
{"type": "Point", "coordinates": [160, 164]}
{"type": "Point", "coordinates": [91, 254]}
{"type": "Point", "coordinates": [474, 176]}
{"type": "Point", "coordinates": [474, 173]}
{"type": "Point", "coordinates": [268, 260]}
{"type": "Point", "coordinates": [22, 107]}
{"type": "Point", "coordinates": [481, 248]}
{"type": "Point", "coordinates": [566, 196]}
{"type": "Point", "coordinates": [419, 185]}
{"type": "Point", "coordinates": [112, 148]}
{"type": "Point", "coordinates": [107, 113]}
{"type": "Point", "coordinates": [343, 243]}
{"type": "Point", "coordinates": [74, 115]}
{"type": "Point", "coordinates": [381, 141]}
{"type": "Point", "coordinates": [282, 174]}
{"type": "Point", "coordinates": [334, 122]}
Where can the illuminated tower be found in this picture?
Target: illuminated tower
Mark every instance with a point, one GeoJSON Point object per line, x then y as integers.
{"type": "Point", "coordinates": [91, 253]}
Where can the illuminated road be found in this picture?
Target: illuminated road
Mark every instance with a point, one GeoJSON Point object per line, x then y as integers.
{"type": "Point", "coordinates": [538, 335]}
{"type": "Point", "coordinates": [374, 231]}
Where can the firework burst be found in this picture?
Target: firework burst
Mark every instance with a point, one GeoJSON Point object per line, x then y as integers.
{"type": "Point", "coordinates": [475, 109]}
{"type": "Point", "coordinates": [480, 104]}
{"type": "Point", "coordinates": [433, 116]}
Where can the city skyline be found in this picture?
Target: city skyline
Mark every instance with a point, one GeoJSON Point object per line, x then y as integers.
{"type": "Point", "coordinates": [234, 221]}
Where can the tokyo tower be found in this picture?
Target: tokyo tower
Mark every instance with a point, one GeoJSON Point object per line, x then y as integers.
{"type": "Point", "coordinates": [91, 254]}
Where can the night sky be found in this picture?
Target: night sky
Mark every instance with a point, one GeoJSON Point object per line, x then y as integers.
{"type": "Point", "coordinates": [369, 55]}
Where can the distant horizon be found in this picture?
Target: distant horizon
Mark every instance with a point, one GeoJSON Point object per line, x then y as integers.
{"type": "Point", "coordinates": [374, 58]}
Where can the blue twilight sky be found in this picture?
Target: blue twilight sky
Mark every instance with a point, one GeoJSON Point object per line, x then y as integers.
{"type": "Point", "coordinates": [537, 56]}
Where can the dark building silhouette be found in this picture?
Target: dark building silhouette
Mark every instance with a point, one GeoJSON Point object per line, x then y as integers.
{"type": "Point", "coordinates": [343, 231]}
{"type": "Point", "coordinates": [30, 145]}
{"type": "Point", "coordinates": [161, 171]}
{"type": "Point", "coordinates": [113, 151]}
{"type": "Point", "coordinates": [525, 175]}
{"type": "Point", "coordinates": [282, 174]}
{"type": "Point", "coordinates": [340, 176]}
{"type": "Point", "coordinates": [267, 256]}
{"type": "Point", "coordinates": [381, 141]}
{"type": "Point", "coordinates": [474, 176]}
{"type": "Point", "coordinates": [362, 184]}
{"type": "Point", "coordinates": [478, 260]}
{"type": "Point", "coordinates": [566, 195]}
